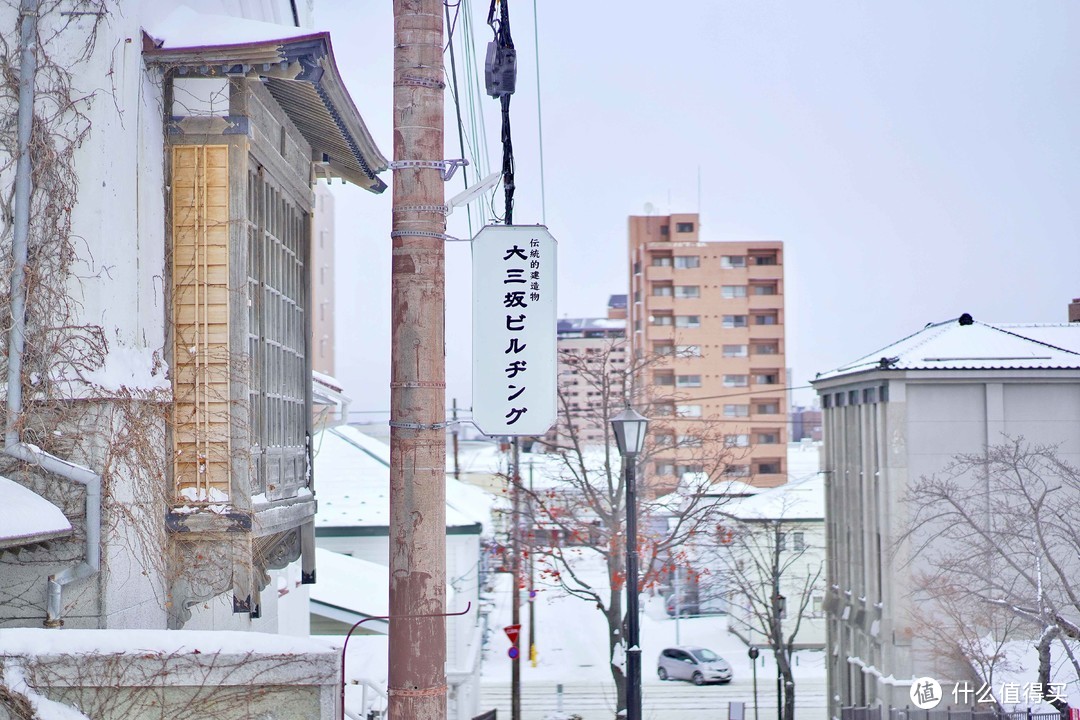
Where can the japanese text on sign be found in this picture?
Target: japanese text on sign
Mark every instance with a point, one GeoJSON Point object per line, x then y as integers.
{"type": "Point", "coordinates": [514, 330]}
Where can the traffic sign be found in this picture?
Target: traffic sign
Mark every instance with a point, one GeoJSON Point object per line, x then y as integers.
{"type": "Point", "coordinates": [513, 653]}
{"type": "Point", "coordinates": [512, 632]}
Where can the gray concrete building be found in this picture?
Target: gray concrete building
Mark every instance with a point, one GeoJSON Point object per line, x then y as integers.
{"type": "Point", "coordinates": [892, 417]}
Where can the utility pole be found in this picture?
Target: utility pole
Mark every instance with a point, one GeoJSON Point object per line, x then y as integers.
{"type": "Point", "coordinates": [515, 603]}
{"type": "Point", "coordinates": [417, 682]}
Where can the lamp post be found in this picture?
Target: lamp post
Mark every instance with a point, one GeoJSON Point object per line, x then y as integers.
{"type": "Point", "coordinates": [629, 427]}
{"type": "Point", "coordinates": [778, 607]}
{"type": "Point", "coordinates": [753, 653]}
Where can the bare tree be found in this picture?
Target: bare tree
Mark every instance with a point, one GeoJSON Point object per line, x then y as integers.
{"type": "Point", "coordinates": [998, 530]}
{"type": "Point", "coordinates": [586, 507]}
{"type": "Point", "coordinates": [773, 568]}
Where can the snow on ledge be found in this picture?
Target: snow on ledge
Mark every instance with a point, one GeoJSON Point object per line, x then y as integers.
{"type": "Point", "coordinates": [126, 368]}
{"type": "Point", "coordinates": [32, 642]}
{"type": "Point", "coordinates": [25, 514]}
{"type": "Point", "coordinates": [186, 28]}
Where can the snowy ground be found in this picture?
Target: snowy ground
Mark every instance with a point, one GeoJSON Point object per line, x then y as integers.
{"type": "Point", "coordinates": [572, 643]}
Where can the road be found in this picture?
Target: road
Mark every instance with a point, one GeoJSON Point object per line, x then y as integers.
{"type": "Point", "coordinates": [661, 700]}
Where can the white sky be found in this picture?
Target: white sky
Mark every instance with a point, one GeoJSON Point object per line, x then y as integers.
{"type": "Point", "coordinates": [919, 160]}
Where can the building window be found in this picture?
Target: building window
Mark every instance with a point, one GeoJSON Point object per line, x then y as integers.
{"type": "Point", "coordinates": [781, 541]}
{"type": "Point", "coordinates": [853, 397]}
{"type": "Point", "coordinates": [690, 441]}
{"type": "Point", "coordinates": [665, 439]}
{"type": "Point", "coordinates": [766, 318]}
{"type": "Point", "coordinates": [687, 262]}
{"type": "Point", "coordinates": [883, 394]}
{"type": "Point", "coordinates": [663, 348]}
{"type": "Point", "coordinates": [766, 347]}
{"type": "Point", "coordinates": [768, 467]}
{"type": "Point", "coordinates": [692, 411]}
{"type": "Point", "coordinates": [688, 350]}
{"type": "Point", "coordinates": [688, 321]}
{"type": "Point", "coordinates": [798, 540]}
{"type": "Point", "coordinates": [665, 468]}
{"type": "Point", "coordinates": [763, 288]}
{"type": "Point", "coordinates": [730, 292]}
{"type": "Point", "coordinates": [661, 289]}
{"type": "Point", "coordinates": [736, 411]}
{"type": "Point", "coordinates": [736, 441]}
{"type": "Point", "coordinates": [687, 291]}
{"type": "Point", "coordinates": [763, 258]}
{"type": "Point", "coordinates": [767, 438]}
{"type": "Point", "coordinates": [735, 381]}
{"type": "Point", "coordinates": [734, 321]}
{"type": "Point", "coordinates": [684, 227]}
{"type": "Point", "coordinates": [766, 378]}
{"type": "Point", "coordinates": [637, 267]}
{"type": "Point", "coordinates": [661, 320]}
{"type": "Point", "coordinates": [734, 351]}
{"type": "Point", "coordinates": [664, 230]}
{"type": "Point", "coordinates": [869, 395]}
{"type": "Point", "coordinates": [767, 408]}
{"type": "Point", "coordinates": [826, 401]}
{"type": "Point", "coordinates": [661, 261]}
{"type": "Point", "coordinates": [737, 470]}
{"type": "Point", "coordinates": [663, 378]}
{"type": "Point", "coordinates": [730, 262]}
{"type": "Point", "coordinates": [664, 409]}
{"type": "Point", "coordinates": [688, 469]}
{"type": "Point", "coordinates": [688, 381]}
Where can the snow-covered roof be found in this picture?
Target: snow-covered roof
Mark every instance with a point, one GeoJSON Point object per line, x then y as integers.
{"type": "Point", "coordinates": [298, 68]}
{"type": "Point", "coordinates": [352, 484]}
{"type": "Point", "coordinates": [797, 500]}
{"type": "Point", "coordinates": [351, 584]}
{"type": "Point", "coordinates": [40, 641]}
{"type": "Point", "coordinates": [27, 518]}
{"type": "Point", "coordinates": [966, 344]}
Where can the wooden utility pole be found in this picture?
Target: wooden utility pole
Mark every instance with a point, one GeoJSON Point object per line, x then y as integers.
{"type": "Point", "coordinates": [417, 683]}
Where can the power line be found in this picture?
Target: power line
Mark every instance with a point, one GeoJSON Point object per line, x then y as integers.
{"type": "Point", "coordinates": [539, 118]}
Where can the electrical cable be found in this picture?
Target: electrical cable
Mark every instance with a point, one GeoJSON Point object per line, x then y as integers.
{"type": "Point", "coordinates": [457, 105]}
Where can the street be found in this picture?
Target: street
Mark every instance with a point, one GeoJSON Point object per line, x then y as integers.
{"type": "Point", "coordinates": [572, 645]}
{"type": "Point", "coordinates": [661, 700]}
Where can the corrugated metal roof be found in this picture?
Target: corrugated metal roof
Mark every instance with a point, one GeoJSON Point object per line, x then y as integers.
{"type": "Point", "coordinates": [298, 70]}
{"type": "Point", "coordinates": [952, 345]}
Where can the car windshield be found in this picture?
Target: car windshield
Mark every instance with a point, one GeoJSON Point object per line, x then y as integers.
{"type": "Point", "coordinates": [705, 655]}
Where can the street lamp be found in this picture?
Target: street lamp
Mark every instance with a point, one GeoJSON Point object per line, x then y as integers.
{"type": "Point", "coordinates": [753, 653]}
{"type": "Point", "coordinates": [778, 607]}
{"type": "Point", "coordinates": [629, 427]}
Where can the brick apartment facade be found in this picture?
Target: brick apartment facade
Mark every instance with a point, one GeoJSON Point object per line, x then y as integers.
{"type": "Point", "coordinates": [711, 314]}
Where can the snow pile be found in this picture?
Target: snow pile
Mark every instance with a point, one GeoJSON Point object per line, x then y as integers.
{"type": "Point", "coordinates": [24, 513]}
{"type": "Point", "coordinates": [184, 28]}
{"type": "Point", "coordinates": [44, 708]}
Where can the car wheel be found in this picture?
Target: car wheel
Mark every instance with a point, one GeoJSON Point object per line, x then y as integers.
{"type": "Point", "coordinates": [698, 679]}
{"type": "Point", "coordinates": [662, 673]}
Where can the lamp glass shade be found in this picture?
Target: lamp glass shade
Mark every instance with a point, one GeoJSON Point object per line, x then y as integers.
{"type": "Point", "coordinates": [629, 427]}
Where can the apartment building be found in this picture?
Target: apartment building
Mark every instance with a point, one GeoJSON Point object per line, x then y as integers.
{"type": "Point", "coordinates": [706, 320]}
{"type": "Point", "coordinates": [592, 367]}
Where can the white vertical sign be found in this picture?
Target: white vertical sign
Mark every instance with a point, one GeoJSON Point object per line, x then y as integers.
{"type": "Point", "coordinates": [514, 322]}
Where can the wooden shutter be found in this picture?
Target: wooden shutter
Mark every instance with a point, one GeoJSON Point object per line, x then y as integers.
{"type": "Point", "coordinates": [200, 277]}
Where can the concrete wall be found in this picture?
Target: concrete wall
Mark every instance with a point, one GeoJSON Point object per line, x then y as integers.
{"type": "Point", "coordinates": [874, 451]}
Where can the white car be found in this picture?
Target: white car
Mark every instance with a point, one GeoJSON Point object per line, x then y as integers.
{"type": "Point", "coordinates": [697, 664]}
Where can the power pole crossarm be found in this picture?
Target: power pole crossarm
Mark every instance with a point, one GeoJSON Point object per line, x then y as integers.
{"type": "Point", "coordinates": [417, 682]}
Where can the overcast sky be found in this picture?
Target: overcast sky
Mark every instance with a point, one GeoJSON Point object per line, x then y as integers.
{"type": "Point", "coordinates": [919, 160]}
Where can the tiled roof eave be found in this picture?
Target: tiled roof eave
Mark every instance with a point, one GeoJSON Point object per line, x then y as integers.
{"type": "Point", "coordinates": [302, 76]}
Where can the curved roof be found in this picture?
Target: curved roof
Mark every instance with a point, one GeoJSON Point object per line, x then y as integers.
{"type": "Point", "coordinates": [298, 68]}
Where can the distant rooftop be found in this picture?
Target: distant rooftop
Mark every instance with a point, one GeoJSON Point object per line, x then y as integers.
{"type": "Point", "coordinates": [591, 327]}
{"type": "Point", "coordinates": [966, 344]}
{"type": "Point", "coordinates": [617, 301]}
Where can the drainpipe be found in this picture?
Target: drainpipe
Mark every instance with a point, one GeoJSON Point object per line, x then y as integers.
{"type": "Point", "coordinates": [13, 446]}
